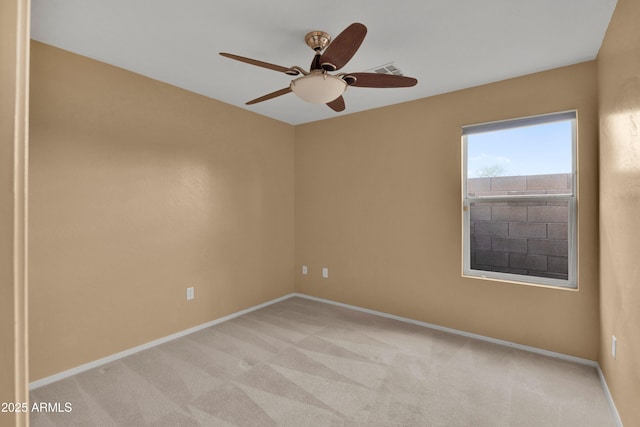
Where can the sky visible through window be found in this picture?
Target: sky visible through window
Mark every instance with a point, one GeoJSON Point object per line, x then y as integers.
{"type": "Point", "coordinates": [528, 150]}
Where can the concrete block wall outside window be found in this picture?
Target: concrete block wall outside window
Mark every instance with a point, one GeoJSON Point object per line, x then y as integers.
{"type": "Point", "coordinates": [520, 237]}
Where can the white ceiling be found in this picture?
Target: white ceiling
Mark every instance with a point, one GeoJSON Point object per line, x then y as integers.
{"type": "Point", "coordinates": [446, 44]}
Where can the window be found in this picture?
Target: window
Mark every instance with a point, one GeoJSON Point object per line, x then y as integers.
{"type": "Point", "coordinates": [519, 202]}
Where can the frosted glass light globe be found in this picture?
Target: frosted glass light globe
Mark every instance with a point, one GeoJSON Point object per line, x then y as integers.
{"type": "Point", "coordinates": [318, 88]}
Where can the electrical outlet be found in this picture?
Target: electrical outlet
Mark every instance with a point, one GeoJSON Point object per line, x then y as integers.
{"type": "Point", "coordinates": [305, 270]}
{"type": "Point", "coordinates": [614, 346]}
{"type": "Point", "coordinates": [325, 272]}
{"type": "Point", "coordinates": [190, 293]}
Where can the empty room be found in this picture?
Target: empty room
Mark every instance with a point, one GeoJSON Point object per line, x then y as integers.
{"type": "Point", "coordinates": [420, 213]}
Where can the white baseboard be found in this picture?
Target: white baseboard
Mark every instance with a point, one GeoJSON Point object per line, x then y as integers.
{"type": "Point", "coordinates": [530, 349]}
{"type": "Point", "coordinates": [536, 350]}
{"type": "Point", "coordinates": [607, 393]}
{"type": "Point", "coordinates": [78, 369]}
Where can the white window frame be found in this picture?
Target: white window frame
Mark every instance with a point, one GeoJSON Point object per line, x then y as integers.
{"type": "Point", "coordinates": [571, 200]}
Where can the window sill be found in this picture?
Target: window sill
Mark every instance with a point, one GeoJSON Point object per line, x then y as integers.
{"type": "Point", "coordinates": [514, 280]}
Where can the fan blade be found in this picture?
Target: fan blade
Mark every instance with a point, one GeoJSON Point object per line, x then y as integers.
{"type": "Point", "coordinates": [277, 93]}
{"type": "Point", "coordinates": [382, 80]}
{"type": "Point", "coordinates": [289, 71]}
{"type": "Point", "coordinates": [343, 47]}
{"type": "Point", "coordinates": [337, 104]}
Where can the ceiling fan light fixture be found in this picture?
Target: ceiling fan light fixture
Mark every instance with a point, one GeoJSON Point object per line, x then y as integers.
{"type": "Point", "coordinates": [318, 88]}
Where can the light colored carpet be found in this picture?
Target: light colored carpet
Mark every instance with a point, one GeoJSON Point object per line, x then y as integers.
{"type": "Point", "coordinates": [306, 363]}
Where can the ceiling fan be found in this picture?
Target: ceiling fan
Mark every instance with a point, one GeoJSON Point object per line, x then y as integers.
{"type": "Point", "coordinates": [317, 85]}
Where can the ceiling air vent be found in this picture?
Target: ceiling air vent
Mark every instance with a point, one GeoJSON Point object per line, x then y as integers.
{"type": "Point", "coordinates": [389, 68]}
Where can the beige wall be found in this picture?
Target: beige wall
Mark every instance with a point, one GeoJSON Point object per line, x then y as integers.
{"type": "Point", "coordinates": [619, 85]}
{"type": "Point", "coordinates": [14, 82]}
{"type": "Point", "coordinates": [139, 190]}
{"type": "Point", "coordinates": [378, 202]}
